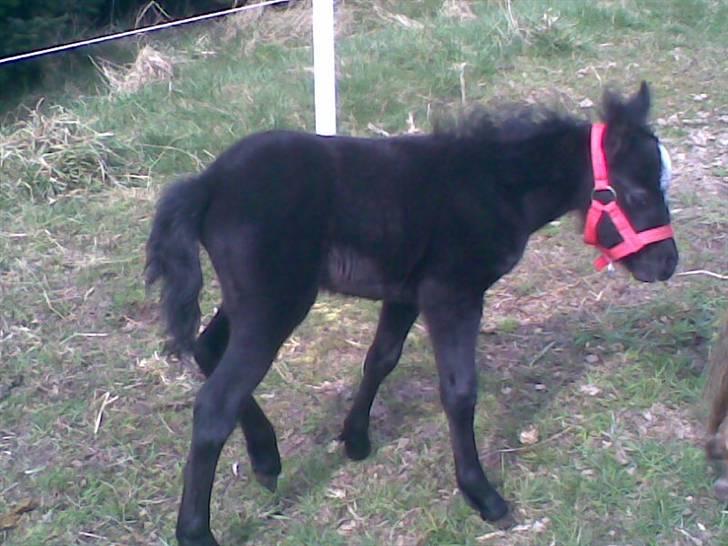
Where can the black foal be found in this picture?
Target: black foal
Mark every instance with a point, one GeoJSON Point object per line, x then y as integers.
{"type": "Point", "coordinates": [423, 223]}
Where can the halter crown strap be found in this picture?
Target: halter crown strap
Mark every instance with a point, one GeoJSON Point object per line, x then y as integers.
{"type": "Point", "coordinates": [599, 159]}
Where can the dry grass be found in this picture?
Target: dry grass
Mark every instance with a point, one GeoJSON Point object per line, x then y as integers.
{"type": "Point", "coordinates": [390, 17]}
{"type": "Point", "coordinates": [149, 66]}
{"type": "Point", "coordinates": [54, 151]}
{"type": "Point", "coordinates": [269, 25]}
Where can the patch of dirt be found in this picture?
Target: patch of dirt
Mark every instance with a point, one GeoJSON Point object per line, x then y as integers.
{"type": "Point", "coordinates": [662, 423]}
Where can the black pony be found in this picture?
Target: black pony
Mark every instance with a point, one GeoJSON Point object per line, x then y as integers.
{"type": "Point", "coordinates": [424, 223]}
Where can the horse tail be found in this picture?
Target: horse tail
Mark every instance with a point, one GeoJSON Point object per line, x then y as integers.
{"type": "Point", "coordinates": [173, 256]}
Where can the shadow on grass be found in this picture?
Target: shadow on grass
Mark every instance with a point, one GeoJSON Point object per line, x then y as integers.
{"type": "Point", "coordinates": [523, 369]}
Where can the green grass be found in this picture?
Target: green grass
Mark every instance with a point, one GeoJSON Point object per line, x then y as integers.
{"type": "Point", "coordinates": [608, 371]}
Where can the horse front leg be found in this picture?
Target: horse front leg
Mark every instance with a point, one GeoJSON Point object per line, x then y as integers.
{"type": "Point", "coordinates": [453, 321]}
{"type": "Point", "coordinates": [395, 321]}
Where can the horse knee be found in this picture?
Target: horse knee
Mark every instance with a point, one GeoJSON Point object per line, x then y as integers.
{"type": "Point", "coordinates": [381, 361]}
{"type": "Point", "coordinates": [459, 402]}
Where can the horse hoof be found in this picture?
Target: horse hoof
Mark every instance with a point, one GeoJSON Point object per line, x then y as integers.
{"type": "Point", "coordinates": [721, 489]}
{"type": "Point", "coordinates": [496, 511]}
{"type": "Point", "coordinates": [357, 449]}
{"type": "Point", "coordinates": [505, 522]}
{"type": "Point", "coordinates": [207, 540]}
{"type": "Point", "coordinates": [269, 481]}
{"type": "Point", "coordinates": [715, 447]}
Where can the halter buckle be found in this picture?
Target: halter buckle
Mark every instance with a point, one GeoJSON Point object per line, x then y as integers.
{"type": "Point", "coordinates": [607, 189]}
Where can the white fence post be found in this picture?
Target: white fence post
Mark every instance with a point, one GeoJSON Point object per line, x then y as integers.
{"type": "Point", "coordinates": [324, 67]}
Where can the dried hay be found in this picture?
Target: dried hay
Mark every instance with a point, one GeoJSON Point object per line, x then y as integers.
{"type": "Point", "coordinates": [149, 66]}
{"type": "Point", "coordinates": [457, 9]}
{"type": "Point", "coordinates": [397, 18]}
{"type": "Point", "coordinates": [53, 152]}
{"type": "Point", "coordinates": [272, 24]}
{"type": "Point", "coordinates": [285, 24]}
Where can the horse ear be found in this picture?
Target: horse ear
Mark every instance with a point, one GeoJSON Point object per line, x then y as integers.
{"type": "Point", "coordinates": [639, 105]}
{"type": "Point", "coordinates": [634, 110]}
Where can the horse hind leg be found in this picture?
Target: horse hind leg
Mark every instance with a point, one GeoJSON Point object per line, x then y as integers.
{"type": "Point", "coordinates": [716, 449]}
{"type": "Point", "coordinates": [257, 329]}
{"type": "Point", "coordinates": [716, 446]}
{"type": "Point", "coordinates": [217, 409]}
{"type": "Point", "coordinates": [260, 436]}
{"type": "Point", "coordinates": [259, 321]}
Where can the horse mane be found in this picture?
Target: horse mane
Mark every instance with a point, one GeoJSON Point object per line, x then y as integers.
{"type": "Point", "coordinates": [505, 123]}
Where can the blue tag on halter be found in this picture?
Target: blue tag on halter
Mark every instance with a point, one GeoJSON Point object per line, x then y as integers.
{"type": "Point", "coordinates": [666, 170]}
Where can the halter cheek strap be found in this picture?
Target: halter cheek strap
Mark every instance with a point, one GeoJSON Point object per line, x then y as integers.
{"type": "Point", "coordinates": [632, 241]}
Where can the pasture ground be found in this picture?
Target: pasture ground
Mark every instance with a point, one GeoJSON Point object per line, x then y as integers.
{"type": "Point", "coordinates": [589, 411]}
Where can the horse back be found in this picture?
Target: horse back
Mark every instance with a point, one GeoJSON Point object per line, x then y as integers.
{"type": "Point", "coordinates": [387, 197]}
{"type": "Point", "coordinates": [360, 210]}
{"type": "Point", "coordinates": [370, 217]}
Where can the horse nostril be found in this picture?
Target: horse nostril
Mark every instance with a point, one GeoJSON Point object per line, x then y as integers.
{"type": "Point", "coordinates": [672, 261]}
{"type": "Point", "coordinates": [669, 263]}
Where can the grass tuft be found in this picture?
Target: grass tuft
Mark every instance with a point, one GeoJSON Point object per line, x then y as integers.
{"type": "Point", "coordinates": [545, 34]}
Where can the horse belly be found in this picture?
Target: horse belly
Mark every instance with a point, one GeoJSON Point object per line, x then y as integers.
{"type": "Point", "coordinates": [349, 272]}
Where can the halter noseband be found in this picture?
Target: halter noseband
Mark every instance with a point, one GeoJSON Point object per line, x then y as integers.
{"type": "Point", "coordinates": [632, 241]}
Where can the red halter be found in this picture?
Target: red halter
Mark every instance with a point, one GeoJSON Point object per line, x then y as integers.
{"type": "Point", "coordinates": [632, 241]}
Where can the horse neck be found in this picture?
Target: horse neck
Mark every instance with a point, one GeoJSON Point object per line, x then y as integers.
{"type": "Point", "coordinates": [559, 177]}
